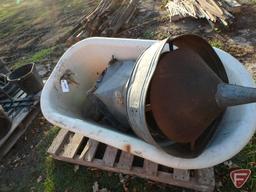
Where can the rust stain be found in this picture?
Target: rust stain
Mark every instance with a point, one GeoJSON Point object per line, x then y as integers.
{"type": "Point", "coordinates": [69, 76]}
{"type": "Point", "coordinates": [127, 148]}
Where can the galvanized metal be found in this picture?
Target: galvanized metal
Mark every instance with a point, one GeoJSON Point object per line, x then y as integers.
{"type": "Point", "coordinates": [138, 89]}
{"type": "Point", "coordinates": [231, 95]}
{"type": "Point", "coordinates": [111, 89]}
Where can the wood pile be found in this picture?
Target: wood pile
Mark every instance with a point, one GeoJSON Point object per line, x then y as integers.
{"type": "Point", "coordinates": [213, 10]}
{"type": "Point", "coordinates": [106, 19]}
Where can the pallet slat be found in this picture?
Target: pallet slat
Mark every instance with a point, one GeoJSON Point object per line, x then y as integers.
{"type": "Point", "coordinates": [17, 133]}
{"type": "Point", "coordinates": [125, 161]}
{"type": "Point", "coordinates": [201, 180]}
{"type": "Point", "coordinates": [21, 117]}
{"type": "Point", "coordinates": [72, 147]}
{"type": "Point", "coordinates": [180, 174]}
{"type": "Point", "coordinates": [89, 151]}
{"type": "Point", "coordinates": [58, 141]}
{"type": "Point", "coordinates": [150, 167]}
{"type": "Point", "coordinates": [109, 156]}
{"type": "Point", "coordinates": [205, 176]}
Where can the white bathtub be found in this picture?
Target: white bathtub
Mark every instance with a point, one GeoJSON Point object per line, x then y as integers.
{"type": "Point", "coordinates": [89, 57]}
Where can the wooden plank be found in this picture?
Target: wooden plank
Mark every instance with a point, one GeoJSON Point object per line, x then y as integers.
{"type": "Point", "coordinates": [15, 123]}
{"type": "Point", "coordinates": [110, 156]}
{"type": "Point", "coordinates": [212, 9]}
{"type": "Point", "coordinates": [180, 174]}
{"type": "Point", "coordinates": [233, 6]}
{"type": "Point", "coordinates": [18, 116]}
{"type": "Point", "coordinates": [175, 18]}
{"type": "Point", "coordinates": [150, 168]}
{"type": "Point", "coordinates": [125, 161]}
{"type": "Point", "coordinates": [162, 177]}
{"type": "Point", "coordinates": [150, 171]}
{"type": "Point", "coordinates": [58, 142]}
{"type": "Point", "coordinates": [205, 176]}
{"type": "Point", "coordinates": [89, 150]}
{"type": "Point", "coordinates": [17, 133]}
{"type": "Point", "coordinates": [72, 147]}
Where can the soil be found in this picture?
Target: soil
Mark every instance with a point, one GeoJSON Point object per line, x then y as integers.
{"type": "Point", "coordinates": [22, 160]}
{"type": "Point", "coordinates": [27, 31]}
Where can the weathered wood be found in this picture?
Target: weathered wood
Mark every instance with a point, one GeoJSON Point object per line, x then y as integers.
{"type": "Point", "coordinates": [150, 168]}
{"type": "Point", "coordinates": [180, 174]}
{"type": "Point", "coordinates": [72, 147]}
{"type": "Point", "coordinates": [205, 176]}
{"type": "Point", "coordinates": [89, 151]}
{"type": "Point", "coordinates": [21, 118]}
{"type": "Point", "coordinates": [125, 161]}
{"type": "Point", "coordinates": [58, 141]}
{"type": "Point", "coordinates": [212, 10]}
{"type": "Point", "coordinates": [202, 180]}
{"type": "Point", "coordinates": [233, 6]}
{"type": "Point", "coordinates": [107, 18]}
{"type": "Point", "coordinates": [110, 156]}
{"type": "Point", "coordinates": [11, 139]}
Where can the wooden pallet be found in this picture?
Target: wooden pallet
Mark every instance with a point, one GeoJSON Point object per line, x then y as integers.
{"type": "Point", "coordinates": [77, 149]}
{"type": "Point", "coordinates": [21, 118]}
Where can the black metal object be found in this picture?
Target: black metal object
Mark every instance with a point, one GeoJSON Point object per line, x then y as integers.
{"type": "Point", "coordinates": [7, 90]}
{"type": "Point", "coordinates": [12, 101]}
{"type": "Point", "coordinates": [27, 78]}
{"type": "Point", "coordinates": [18, 103]}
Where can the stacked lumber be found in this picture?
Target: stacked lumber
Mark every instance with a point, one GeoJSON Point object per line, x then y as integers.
{"type": "Point", "coordinates": [213, 10]}
{"type": "Point", "coordinates": [106, 19]}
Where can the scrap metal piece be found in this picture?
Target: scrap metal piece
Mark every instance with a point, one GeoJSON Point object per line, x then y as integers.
{"type": "Point", "coordinates": [182, 95]}
{"type": "Point", "coordinates": [111, 89]}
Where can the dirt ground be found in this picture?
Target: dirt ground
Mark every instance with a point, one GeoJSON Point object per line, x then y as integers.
{"type": "Point", "coordinates": [29, 31]}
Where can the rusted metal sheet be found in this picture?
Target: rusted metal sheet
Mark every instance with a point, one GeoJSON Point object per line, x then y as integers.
{"type": "Point", "coordinates": [182, 95]}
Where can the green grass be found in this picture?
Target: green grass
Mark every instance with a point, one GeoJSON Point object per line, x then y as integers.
{"type": "Point", "coordinates": [36, 57]}
{"type": "Point", "coordinates": [149, 34]}
{"type": "Point", "coordinates": [15, 18]}
{"type": "Point", "coordinates": [242, 160]}
{"type": "Point", "coordinates": [217, 43]}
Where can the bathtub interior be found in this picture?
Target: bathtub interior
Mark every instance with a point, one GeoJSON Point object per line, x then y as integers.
{"type": "Point", "coordinates": [88, 58]}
